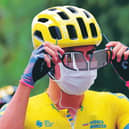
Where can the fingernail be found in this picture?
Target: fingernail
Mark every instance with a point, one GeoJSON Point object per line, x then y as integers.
{"type": "Point", "coordinates": [112, 57]}
{"type": "Point", "coordinates": [49, 65]}
{"type": "Point", "coordinates": [125, 58]}
{"type": "Point", "coordinates": [118, 60]}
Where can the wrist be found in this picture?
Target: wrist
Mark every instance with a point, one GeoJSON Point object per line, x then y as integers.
{"type": "Point", "coordinates": [26, 84]}
{"type": "Point", "coordinates": [27, 80]}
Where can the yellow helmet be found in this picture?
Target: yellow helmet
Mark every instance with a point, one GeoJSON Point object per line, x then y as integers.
{"type": "Point", "coordinates": [67, 26]}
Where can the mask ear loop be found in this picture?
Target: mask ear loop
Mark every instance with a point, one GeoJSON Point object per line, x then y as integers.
{"type": "Point", "coordinates": [51, 74]}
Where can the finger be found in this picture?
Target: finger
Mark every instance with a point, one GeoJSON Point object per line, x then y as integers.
{"type": "Point", "coordinates": [52, 54]}
{"type": "Point", "coordinates": [54, 48]}
{"type": "Point", "coordinates": [120, 53]}
{"type": "Point", "coordinates": [51, 46]}
{"type": "Point", "coordinates": [115, 51]}
{"type": "Point", "coordinates": [60, 50]}
{"type": "Point", "coordinates": [47, 60]}
{"type": "Point", "coordinates": [46, 50]}
{"type": "Point", "coordinates": [112, 44]}
{"type": "Point", "coordinates": [126, 55]}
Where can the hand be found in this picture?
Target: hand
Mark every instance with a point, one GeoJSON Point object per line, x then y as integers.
{"type": "Point", "coordinates": [41, 61]}
{"type": "Point", "coordinates": [120, 59]}
{"type": "Point", "coordinates": [118, 50]}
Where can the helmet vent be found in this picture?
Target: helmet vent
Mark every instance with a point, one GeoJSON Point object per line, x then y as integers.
{"type": "Point", "coordinates": [72, 9]}
{"type": "Point", "coordinates": [52, 9]}
{"type": "Point", "coordinates": [82, 27]}
{"type": "Point", "coordinates": [72, 32]}
{"type": "Point", "coordinates": [38, 35]}
{"type": "Point", "coordinates": [43, 20]}
{"type": "Point", "coordinates": [63, 15]}
{"type": "Point", "coordinates": [87, 15]}
{"type": "Point", "coordinates": [93, 30]}
{"type": "Point", "coordinates": [55, 32]}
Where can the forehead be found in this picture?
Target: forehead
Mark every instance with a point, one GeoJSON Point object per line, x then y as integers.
{"type": "Point", "coordinates": [80, 48]}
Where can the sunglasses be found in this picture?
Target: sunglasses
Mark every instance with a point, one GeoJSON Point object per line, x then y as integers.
{"type": "Point", "coordinates": [76, 61]}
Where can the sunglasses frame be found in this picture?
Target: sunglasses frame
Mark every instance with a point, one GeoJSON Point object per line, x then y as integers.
{"type": "Point", "coordinates": [108, 59]}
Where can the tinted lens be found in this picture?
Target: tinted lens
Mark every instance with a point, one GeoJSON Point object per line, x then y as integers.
{"type": "Point", "coordinates": [75, 61]}
{"type": "Point", "coordinates": [99, 59]}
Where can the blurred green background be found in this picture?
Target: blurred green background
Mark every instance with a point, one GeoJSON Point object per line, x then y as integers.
{"type": "Point", "coordinates": [16, 44]}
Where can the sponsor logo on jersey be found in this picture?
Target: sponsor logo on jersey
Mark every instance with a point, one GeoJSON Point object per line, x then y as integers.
{"type": "Point", "coordinates": [95, 124]}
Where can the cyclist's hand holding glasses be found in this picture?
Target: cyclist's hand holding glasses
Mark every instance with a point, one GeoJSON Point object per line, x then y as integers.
{"type": "Point", "coordinates": [40, 63]}
{"type": "Point", "coordinates": [120, 59]}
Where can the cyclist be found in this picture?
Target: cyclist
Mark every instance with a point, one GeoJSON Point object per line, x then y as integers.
{"type": "Point", "coordinates": [65, 38]}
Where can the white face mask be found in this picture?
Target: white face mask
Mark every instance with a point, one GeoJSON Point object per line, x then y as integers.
{"type": "Point", "coordinates": [75, 82]}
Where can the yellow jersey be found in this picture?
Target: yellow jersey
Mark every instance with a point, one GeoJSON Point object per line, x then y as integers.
{"type": "Point", "coordinates": [99, 110]}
